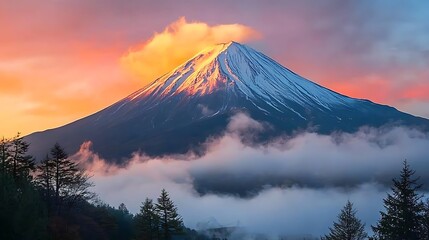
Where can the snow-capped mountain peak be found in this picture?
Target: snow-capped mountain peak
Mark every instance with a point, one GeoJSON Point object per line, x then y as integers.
{"type": "Point", "coordinates": [239, 70]}
{"type": "Point", "coordinates": [180, 110]}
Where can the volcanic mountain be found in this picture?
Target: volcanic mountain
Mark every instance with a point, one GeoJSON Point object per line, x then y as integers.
{"type": "Point", "coordinates": [181, 109]}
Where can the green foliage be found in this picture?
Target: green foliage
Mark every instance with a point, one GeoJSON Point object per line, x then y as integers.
{"type": "Point", "coordinates": [22, 213]}
{"type": "Point", "coordinates": [158, 221]}
{"type": "Point", "coordinates": [4, 155]}
{"type": "Point", "coordinates": [20, 163]}
{"type": "Point", "coordinates": [348, 227]}
{"type": "Point", "coordinates": [61, 183]}
{"type": "Point", "coordinates": [110, 222]}
{"type": "Point", "coordinates": [92, 221]}
{"type": "Point", "coordinates": [124, 220]}
{"type": "Point", "coordinates": [147, 221]}
{"type": "Point", "coordinates": [403, 215]}
{"type": "Point", "coordinates": [14, 159]}
{"type": "Point", "coordinates": [62, 180]}
{"type": "Point", "coordinates": [170, 221]}
{"type": "Point", "coordinates": [44, 179]}
{"type": "Point", "coordinates": [425, 221]}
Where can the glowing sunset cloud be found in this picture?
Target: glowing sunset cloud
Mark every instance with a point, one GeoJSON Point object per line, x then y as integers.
{"type": "Point", "coordinates": [177, 43]}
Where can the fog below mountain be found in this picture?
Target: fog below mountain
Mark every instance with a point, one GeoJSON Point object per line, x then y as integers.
{"type": "Point", "coordinates": [290, 186]}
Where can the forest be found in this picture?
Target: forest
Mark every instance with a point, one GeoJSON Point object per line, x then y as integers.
{"type": "Point", "coordinates": [52, 199]}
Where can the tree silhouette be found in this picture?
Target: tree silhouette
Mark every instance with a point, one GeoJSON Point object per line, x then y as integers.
{"type": "Point", "coordinates": [63, 180]}
{"type": "Point", "coordinates": [425, 221]}
{"type": "Point", "coordinates": [123, 208]}
{"type": "Point", "coordinates": [22, 213]}
{"type": "Point", "coordinates": [4, 155]}
{"type": "Point", "coordinates": [19, 162]}
{"type": "Point", "coordinates": [147, 221]}
{"type": "Point", "coordinates": [402, 217]}
{"type": "Point", "coordinates": [170, 221]}
{"type": "Point", "coordinates": [348, 227]}
{"type": "Point", "coordinates": [44, 179]}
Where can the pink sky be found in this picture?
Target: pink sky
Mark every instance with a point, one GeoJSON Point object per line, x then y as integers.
{"type": "Point", "coordinates": [61, 60]}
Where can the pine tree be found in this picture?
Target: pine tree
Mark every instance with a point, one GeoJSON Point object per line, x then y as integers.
{"type": "Point", "coordinates": [147, 221]}
{"type": "Point", "coordinates": [77, 189]}
{"type": "Point", "coordinates": [170, 221]}
{"type": "Point", "coordinates": [123, 208]}
{"type": "Point", "coordinates": [63, 180]}
{"type": "Point", "coordinates": [403, 209]}
{"type": "Point", "coordinates": [20, 163]}
{"type": "Point", "coordinates": [348, 227]}
{"type": "Point", "coordinates": [425, 222]}
{"type": "Point", "coordinates": [44, 178]}
{"type": "Point", "coordinates": [22, 213]}
{"type": "Point", "coordinates": [62, 169]}
{"type": "Point", "coordinates": [4, 155]}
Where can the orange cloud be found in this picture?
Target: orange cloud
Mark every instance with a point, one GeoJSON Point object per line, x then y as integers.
{"type": "Point", "coordinates": [178, 42]}
{"type": "Point", "coordinates": [9, 83]}
{"type": "Point", "coordinates": [375, 87]}
{"type": "Point", "coordinates": [416, 92]}
{"type": "Point", "coordinates": [54, 90]}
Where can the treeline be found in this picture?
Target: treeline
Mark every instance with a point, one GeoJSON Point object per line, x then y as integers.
{"type": "Point", "coordinates": [405, 217]}
{"type": "Point", "coordinates": [51, 199]}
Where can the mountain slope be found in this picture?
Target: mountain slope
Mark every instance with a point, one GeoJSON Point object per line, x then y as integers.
{"type": "Point", "coordinates": [179, 110]}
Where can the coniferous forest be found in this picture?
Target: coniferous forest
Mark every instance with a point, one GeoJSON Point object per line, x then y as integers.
{"type": "Point", "coordinates": [52, 199]}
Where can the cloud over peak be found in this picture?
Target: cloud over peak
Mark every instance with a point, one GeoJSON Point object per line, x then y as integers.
{"type": "Point", "coordinates": [180, 41]}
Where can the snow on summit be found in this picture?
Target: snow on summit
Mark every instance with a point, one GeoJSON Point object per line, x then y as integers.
{"type": "Point", "coordinates": [238, 69]}
{"type": "Point", "coordinates": [195, 101]}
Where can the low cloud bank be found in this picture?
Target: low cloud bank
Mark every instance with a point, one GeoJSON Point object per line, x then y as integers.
{"type": "Point", "coordinates": [289, 186]}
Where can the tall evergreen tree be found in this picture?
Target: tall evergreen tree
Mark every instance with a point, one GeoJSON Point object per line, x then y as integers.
{"type": "Point", "coordinates": [63, 179]}
{"type": "Point", "coordinates": [78, 189]}
{"type": "Point", "coordinates": [403, 209]}
{"type": "Point", "coordinates": [170, 221]}
{"type": "Point", "coordinates": [4, 155]}
{"type": "Point", "coordinates": [44, 178]}
{"type": "Point", "coordinates": [22, 213]}
{"type": "Point", "coordinates": [20, 162]}
{"type": "Point", "coordinates": [147, 222]}
{"type": "Point", "coordinates": [425, 222]}
{"type": "Point", "coordinates": [125, 222]}
{"type": "Point", "coordinates": [348, 227]}
{"type": "Point", "coordinates": [62, 169]}
{"type": "Point", "coordinates": [123, 208]}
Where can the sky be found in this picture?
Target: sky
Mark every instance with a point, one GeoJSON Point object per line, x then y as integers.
{"type": "Point", "coordinates": [61, 60]}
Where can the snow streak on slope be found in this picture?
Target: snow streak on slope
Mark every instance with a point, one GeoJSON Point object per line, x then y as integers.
{"type": "Point", "coordinates": [240, 70]}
